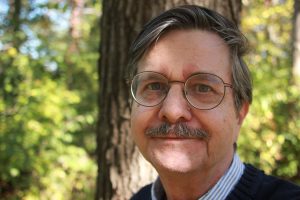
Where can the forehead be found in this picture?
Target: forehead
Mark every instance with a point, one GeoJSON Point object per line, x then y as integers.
{"type": "Point", "coordinates": [181, 53]}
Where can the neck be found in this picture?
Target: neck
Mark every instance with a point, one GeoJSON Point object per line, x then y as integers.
{"type": "Point", "coordinates": [192, 185]}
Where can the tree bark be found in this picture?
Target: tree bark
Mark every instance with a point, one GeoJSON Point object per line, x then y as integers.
{"type": "Point", "coordinates": [121, 168]}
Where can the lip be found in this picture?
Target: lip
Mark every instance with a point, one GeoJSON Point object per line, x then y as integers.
{"type": "Point", "coordinates": [175, 141]}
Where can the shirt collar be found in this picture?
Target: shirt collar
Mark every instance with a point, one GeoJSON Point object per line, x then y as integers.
{"type": "Point", "coordinates": [219, 191]}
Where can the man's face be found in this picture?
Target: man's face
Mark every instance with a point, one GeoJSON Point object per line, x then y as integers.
{"type": "Point", "coordinates": [177, 55]}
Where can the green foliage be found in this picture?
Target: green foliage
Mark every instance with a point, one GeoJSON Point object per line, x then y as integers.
{"type": "Point", "coordinates": [47, 104]}
{"type": "Point", "coordinates": [270, 137]}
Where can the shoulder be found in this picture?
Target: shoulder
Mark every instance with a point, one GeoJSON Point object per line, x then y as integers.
{"type": "Point", "coordinates": [277, 188]}
{"type": "Point", "coordinates": [255, 184]}
{"type": "Point", "coordinates": [143, 194]}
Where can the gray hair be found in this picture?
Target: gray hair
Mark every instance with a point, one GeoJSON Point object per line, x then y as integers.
{"type": "Point", "coordinates": [195, 17]}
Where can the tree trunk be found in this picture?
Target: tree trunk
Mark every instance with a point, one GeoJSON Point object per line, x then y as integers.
{"type": "Point", "coordinates": [121, 168]}
{"type": "Point", "coordinates": [296, 41]}
{"type": "Point", "coordinates": [14, 14]}
{"type": "Point", "coordinates": [77, 7]}
{"type": "Point", "coordinates": [14, 17]}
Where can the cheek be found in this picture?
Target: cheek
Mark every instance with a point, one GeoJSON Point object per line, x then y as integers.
{"type": "Point", "coordinates": [228, 128]}
{"type": "Point", "coordinates": [141, 118]}
{"type": "Point", "coordinates": [222, 125]}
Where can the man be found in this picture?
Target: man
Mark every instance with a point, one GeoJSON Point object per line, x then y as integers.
{"type": "Point", "coordinates": [191, 93]}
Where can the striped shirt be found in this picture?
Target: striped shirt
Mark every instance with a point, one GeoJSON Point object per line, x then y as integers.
{"type": "Point", "coordinates": [219, 191]}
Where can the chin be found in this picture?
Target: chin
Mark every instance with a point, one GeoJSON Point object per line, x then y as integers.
{"type": "Point", "coordinates": [176, 161]}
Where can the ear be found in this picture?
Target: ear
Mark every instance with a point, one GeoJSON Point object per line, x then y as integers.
{"type": "Point", "coordinates": [242, 113]}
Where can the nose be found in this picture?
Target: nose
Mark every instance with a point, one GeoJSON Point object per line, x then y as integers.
{"type": "Point", "coordinates": [175, 107]}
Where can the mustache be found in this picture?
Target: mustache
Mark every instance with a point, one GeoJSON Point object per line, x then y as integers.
{"type": "Point", "coordinates": [179, 129]}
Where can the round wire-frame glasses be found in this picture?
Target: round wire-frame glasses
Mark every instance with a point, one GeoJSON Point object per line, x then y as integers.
{"type": "Point", "coordinates": [203, 91]}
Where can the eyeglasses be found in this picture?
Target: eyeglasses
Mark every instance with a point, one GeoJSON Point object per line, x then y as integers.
{"type": "Point", "coordinates": [203, 91]}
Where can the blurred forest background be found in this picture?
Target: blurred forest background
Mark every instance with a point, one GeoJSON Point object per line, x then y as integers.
{"type": "Point", "coordinates": [49, 86]}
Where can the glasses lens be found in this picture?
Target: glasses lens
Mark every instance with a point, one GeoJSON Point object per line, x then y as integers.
{"type": "Point", "coordinates": [204, 91]}
{"type": "Point", "coordinates": [149, 88]}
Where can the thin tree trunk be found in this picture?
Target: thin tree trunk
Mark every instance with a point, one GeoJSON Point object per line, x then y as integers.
{"type": "Point", "coordinates": [121, 168]}
{"type": "Point", "coordinates": [14, 12]}
{"type": "Point", "coordinates": [9, 97]}
{"type": "Point", "coordinates": [296, 42]}
{"type": "Point", "coordinates": [77, 7]}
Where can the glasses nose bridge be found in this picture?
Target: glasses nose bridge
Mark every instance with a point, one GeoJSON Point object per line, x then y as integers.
{"type": "Point", "coordinates": [175, 81]}
{"type": "Point", "coordinates": [178, 82]}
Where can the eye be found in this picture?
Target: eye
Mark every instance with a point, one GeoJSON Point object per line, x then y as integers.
{"type": "Point", "coordinates": [203, 88]}
{"type": "Point", "coordinates": [154, 86]}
